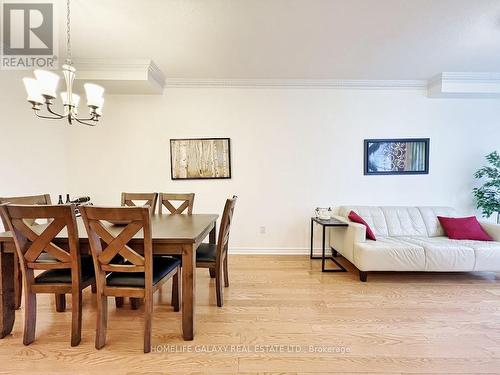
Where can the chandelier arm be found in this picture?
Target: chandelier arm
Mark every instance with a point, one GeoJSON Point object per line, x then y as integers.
{"type": "Point", "coordinates": [92, 118]}
{"type": "Point", "coordinates": [84, 121]}
{"type": "Point", "coordinates": [54, 113]}
{"type": "Point", "coordinates": [47, 117]}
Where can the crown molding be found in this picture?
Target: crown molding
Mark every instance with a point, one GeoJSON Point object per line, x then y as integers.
{"type": "Point", "coordinates": [295, 83]}
{"type": "Point", "coordinates": [464, 85]}
{"type": "Point", "coordinates": [122, 76]}
{"type": "Point", "coordinates": [143, 76]}
{"type": "Point", "coordinates": [469, 76]}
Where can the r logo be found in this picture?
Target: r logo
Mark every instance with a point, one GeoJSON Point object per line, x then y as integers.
{"type": "Point", "coordinates": [28, 29]}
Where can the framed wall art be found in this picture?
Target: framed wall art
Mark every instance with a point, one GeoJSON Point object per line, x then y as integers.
{"type": "Point", "coordinates": [200, 158]}
{"type": "Point", "coordinates": [396, 156]}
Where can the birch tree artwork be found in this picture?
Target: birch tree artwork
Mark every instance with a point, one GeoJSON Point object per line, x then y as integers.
{"type": "Point", "coordinates": [200, 158]}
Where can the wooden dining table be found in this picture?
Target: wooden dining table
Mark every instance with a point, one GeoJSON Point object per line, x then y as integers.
{"type": "Point", "coordinates": [172, 235]}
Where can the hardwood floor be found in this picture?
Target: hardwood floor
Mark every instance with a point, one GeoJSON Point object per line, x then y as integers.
{"type": "Point", "coordinates": [394, 323]}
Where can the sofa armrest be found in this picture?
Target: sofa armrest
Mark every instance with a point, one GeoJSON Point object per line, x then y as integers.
{"type": "Point", "coordinates": [343, 239]}
{"type": "Point", "coordinates": [492, 229]}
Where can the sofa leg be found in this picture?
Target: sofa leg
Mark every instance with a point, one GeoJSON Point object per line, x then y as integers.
{"type": "Point", "coordinates": [363, 276]}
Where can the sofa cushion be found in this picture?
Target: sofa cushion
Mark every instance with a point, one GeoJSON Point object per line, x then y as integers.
{"type": "Point", "coordinates": [373, 216]}
{"type": "Point", "coordinates": [354, 217]}
{"type": "Point", "coordinates": [389, 254]}
{"type": "Point", "coordinates": [463, 228]}
{"type": "Point", "coordinates": [443, 254]}
{"type": "Point", "coordinates": [429, 216]}
{"type": "Point", "coordinates": [404, 221]}
{"type": "Point", "coordinates": [487, 254]}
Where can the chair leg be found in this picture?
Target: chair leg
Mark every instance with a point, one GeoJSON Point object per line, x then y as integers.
{"type": "Point", "coordinates": [218, 285]}
{"type": "Point", "coordinates": [102, 320]}
{"type": "Point", "coordinates": [135, 303]}
{"type": "Point", "coordinates": [148, 312]}
{"type": "Point", "coordinates": [76, 318]}
{"type": "Point", "coordinates": [60, 302]}
{"type": "Point", "coordinates": [18, 283]}
{"type": "Point", "coordinates": [119, 302]}
{"type": "Point", "coordinates": [212, 272]}
{"type": "Point", "coordinates": [29, 317]}
{"type": "Point", "coordinates": [226, 274]}
{"type": "Point", "coordinates": [175, 291]}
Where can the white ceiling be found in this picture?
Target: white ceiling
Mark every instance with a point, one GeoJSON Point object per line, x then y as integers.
{"type": "Point", "coordinates": [296, 39]}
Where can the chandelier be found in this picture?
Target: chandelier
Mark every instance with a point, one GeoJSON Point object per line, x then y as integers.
{"type": "Point", "coordinates": [42, 90]}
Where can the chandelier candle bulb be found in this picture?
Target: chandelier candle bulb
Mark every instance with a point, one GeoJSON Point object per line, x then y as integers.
{"type": "Point", "coordinates": [94, 94]}
{"type": "Point", "coordinates": [33, 90]}
{"type": "Point", "coordinates": [48, 82]}
{"type": "Point", "coordinates": [99, 103]}
{"type": "Point", "coordinates": [73, 101]}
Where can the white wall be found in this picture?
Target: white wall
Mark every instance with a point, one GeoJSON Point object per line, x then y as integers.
{"type": "Point", "coordinates": [292, 150]}
{"type": "Point", "coordinates": [33, 153]}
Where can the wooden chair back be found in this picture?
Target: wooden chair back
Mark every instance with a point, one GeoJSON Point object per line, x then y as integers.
{"type": "Point", "coordinates": [187, 202]}
{"type": "Point", "coordinates": [31, 244]}
{"type": "Point", "coordinates": [117, 256]}
{"type": "Point", "coordinates": [130, 199]}
{"type": "Point", "coordinates": [43, 199]}
{"type": "Point", "coordinates": [225, 225]}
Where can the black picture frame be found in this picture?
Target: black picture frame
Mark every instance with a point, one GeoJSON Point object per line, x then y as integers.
{"type": "Point", "coordinates": [369, 142]}
{"type": "Point", "coordinates": [200, 139]}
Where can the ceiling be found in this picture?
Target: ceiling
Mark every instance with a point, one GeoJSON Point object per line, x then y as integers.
{"type": "Point", "coordinates": [292, 39]}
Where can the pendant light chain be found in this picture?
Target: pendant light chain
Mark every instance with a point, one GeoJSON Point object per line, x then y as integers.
{"type": "Point", "coordinates": [68, 33]}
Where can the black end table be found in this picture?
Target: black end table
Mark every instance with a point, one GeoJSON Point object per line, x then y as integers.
{"type": "Point", "coordinates": [325, 224]}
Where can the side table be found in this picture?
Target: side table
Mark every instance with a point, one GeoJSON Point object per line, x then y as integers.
{"type": "Point", "coordinates": [325, 224]}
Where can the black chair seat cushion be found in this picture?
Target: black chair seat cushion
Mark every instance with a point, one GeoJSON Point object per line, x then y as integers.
{"type": "Point", "coordinates": [161, 267]}
{"type": "Point", "coordinates": [64, 275]}
{"type": "Point", "coordinates": [206, 252]}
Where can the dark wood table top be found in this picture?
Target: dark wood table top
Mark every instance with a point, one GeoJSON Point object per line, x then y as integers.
{"type": "Point", "coordinates": [165, 228]}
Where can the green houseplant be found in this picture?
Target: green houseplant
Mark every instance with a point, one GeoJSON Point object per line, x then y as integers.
{"type": "Point", "coordinates": [488, 195]}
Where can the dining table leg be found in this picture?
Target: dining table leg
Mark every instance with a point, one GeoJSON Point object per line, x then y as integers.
{"type": "Point", "coordinates": [212, 238]}
{"type": "Point", "coordinates": [7, 313]}
{"type": "Point", "coordinates": [188, 290]}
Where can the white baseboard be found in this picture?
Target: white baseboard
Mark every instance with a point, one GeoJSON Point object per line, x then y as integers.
{"type": "Point", "coordinates": [272, 251]}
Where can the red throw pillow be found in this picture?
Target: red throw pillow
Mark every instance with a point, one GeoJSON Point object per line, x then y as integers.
{"type": "Point", "coordinates": [464, 228]}
{"type": "Point", "coordinates": [353, 216]}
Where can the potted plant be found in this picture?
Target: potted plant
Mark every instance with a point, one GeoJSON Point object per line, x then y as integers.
{"type": "Point", "coordinates": [488, 195]}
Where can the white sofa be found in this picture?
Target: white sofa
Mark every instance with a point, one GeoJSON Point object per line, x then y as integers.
{"type": "Point", "coordinates": [411, 239]}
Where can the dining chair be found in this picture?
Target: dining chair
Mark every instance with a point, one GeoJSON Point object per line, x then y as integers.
{"type": "Point", "coordinates": [18, 278]}
{"type": "Point", "coordinates": [130, 199]}
{"type": "Point", "coordinates": [120, 270]}
{"type": "Point", "coordinates": [214, 256]}
{"type": "Point", "coordinates": [167, 199]}
{"type": "Point", "coordinates": [64, 270]}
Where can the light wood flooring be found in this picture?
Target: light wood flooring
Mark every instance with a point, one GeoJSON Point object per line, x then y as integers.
{"type": "Point", "coordinates": [395, 323]}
